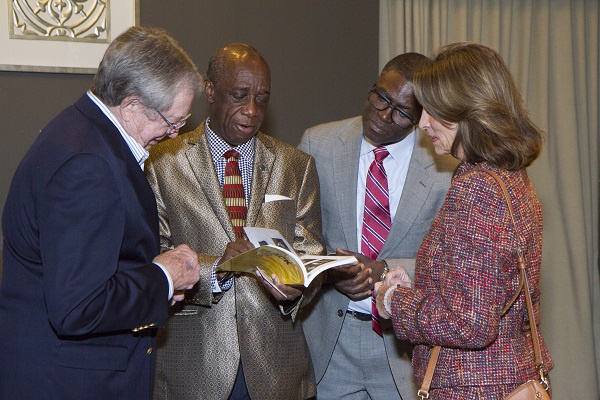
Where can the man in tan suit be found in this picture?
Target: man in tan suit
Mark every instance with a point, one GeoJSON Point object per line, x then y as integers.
{"type": "Point", "coordinates": [234, 338]}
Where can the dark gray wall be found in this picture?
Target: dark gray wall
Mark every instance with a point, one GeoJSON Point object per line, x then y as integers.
{"type": "Point", "coordinates": [323, 57]}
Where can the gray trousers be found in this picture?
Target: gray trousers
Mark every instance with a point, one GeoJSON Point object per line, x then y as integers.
{"type": "Point", "coordinates": [358, 369]}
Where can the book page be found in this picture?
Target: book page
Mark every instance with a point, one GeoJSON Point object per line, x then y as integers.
{"type": "Point", "coordinates": [269, 280]}
{"type": "Point", "coordinates": [270, 259]}
{"type": "Point", "coordinates": [263, 236]}
{"type": "Point", "coordinates": [316, 264]}
{"type": "Point", "coordinates": [291, 269]}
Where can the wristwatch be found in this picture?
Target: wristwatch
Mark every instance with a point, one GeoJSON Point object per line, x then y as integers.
{"type": "Point", "coordinates": [386, 269]}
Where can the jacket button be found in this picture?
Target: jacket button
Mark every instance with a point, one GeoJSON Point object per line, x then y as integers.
{"type": "Point", "coordinates": [340, 313]}
{"type": "Point", "coordinates": [149, 351]}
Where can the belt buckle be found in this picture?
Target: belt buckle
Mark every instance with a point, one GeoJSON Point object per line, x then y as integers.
{"type": "Point", "coordinates": [359, 315]}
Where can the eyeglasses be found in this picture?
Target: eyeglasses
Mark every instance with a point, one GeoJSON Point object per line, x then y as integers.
{"type": "Point", "coordinates": [175, 126]}
{"type": "Point", "coordinates": [380, 103]}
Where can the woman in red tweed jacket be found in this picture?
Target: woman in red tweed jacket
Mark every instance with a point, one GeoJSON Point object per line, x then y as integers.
{"type": "Point", "coordinates": [466, 267]}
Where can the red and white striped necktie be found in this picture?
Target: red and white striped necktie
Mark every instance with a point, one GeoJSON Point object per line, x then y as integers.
{"type": "Point", "coordinates": [376, 218]}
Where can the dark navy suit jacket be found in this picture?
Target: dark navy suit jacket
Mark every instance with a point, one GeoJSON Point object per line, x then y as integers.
{"type": "Point", "coordinates": [80, 296]}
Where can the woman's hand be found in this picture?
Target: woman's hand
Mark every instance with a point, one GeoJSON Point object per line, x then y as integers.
{"type": "Point", "coordinates": [396, 277]}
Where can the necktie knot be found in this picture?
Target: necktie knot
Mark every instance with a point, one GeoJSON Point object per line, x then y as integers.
{"type": "Point", "coordinates": [231, 154]}
{"type": "Point", "coordinates": [380, 154]}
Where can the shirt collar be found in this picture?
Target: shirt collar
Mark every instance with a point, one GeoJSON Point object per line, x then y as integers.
{"type": "Point", "coordinates": [138, 151]}
{"type": "Point", "coordinates": [397, 150]}
{"type": "Point", "coordinates": [220, 146]}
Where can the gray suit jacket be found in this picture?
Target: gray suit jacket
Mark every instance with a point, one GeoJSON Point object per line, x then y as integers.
{"type": "Point", "coordinates": [199, 352]}
{"type": "Point", "coordinates": [336, 147]}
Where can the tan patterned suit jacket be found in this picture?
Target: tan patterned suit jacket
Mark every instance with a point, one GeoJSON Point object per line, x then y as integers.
{"type": "Point", "coordinates": [204, 340]}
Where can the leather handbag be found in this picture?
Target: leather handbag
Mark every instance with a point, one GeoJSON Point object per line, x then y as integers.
{"type": "Point", "coordinates": [533, 389]}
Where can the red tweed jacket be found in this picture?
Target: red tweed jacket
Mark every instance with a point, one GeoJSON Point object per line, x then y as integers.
{"type": "Point", "coordinates": [466, 272]}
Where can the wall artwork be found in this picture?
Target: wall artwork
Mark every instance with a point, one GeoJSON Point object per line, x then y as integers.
{"type": "Point", "coordinates": [61, 35]}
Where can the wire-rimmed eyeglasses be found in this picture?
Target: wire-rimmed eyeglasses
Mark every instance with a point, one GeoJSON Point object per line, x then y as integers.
{"type": "Point", "coordinates": [380, 103]}
{"type": "Point", "coordinates": [175, 126]}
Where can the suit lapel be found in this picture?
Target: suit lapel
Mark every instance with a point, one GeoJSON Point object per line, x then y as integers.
{"type": "Point", "coordinates": [264, 158]}
{"type": "Point", "coordinates": [416, 189]}
{"type": "Point", "coordinates": [345, 170]}
{"type": "Point", "coordinates": [119, 148]}
{"type": "Point", "coordinates": [201, 163]}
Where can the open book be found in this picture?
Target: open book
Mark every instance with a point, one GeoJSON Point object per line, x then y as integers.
{"type": "Point", "coordinates": [274, 255]}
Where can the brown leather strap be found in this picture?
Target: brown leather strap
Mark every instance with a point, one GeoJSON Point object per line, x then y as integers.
{"type": "Point", "coordinates": [539, 363]}
{"type": "Point", "coordinates": [524, 283]}
{"type": "Point", "coordinates": [423, 393]}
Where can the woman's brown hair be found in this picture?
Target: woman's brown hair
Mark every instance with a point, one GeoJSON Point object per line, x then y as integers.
{"type": "Point", "coordinates": [470, 85]}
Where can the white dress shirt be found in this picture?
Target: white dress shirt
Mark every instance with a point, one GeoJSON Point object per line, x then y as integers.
{"type": "Point", "coordinates": [396, 168]}
{"type": "Point", "coordinates": [140, 154]}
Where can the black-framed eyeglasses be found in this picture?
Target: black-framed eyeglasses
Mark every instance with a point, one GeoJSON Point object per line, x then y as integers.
{"type": "Point", "coordinates": [380, 103]}
{"type": "Point", "coordinates": [175, 126]}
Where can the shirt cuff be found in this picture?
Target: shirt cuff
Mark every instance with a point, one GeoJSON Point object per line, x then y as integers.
{"type": "Point", "coordinates": [215, 285]}
{"type": "Point", "coordinates": [169, 279]}
{"type": "Point", "coordinates": [387, 299]}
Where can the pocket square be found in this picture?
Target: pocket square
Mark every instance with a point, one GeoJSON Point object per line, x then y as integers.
{"type": "Point", "coordinates": [275, 197]}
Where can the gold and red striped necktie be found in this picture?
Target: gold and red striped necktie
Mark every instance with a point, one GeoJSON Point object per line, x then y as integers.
{"type": "Point", "coordinates": [233, 193]}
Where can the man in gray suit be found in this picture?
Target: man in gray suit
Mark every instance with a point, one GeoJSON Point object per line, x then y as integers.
{"type": "Point", "coordinates": [346, 351]}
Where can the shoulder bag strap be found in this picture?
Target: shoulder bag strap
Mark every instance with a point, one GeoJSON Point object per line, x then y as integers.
{"type": "Point", "coordinates": [423, 393]}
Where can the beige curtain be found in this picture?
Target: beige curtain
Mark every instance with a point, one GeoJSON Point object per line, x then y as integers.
{"type": "Point", "coordinates": [552, 49]}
